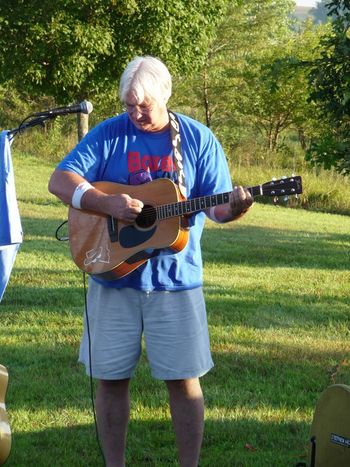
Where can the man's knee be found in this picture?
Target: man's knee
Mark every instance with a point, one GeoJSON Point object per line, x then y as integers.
{"type": "Point", "coordinates": [189, 388]}
{"type": "Point", "coordinates": [117, 387]}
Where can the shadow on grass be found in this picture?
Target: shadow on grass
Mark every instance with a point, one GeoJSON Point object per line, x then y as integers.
{"type": "Point", "coordinates": [55, 447]}
{"type": "Point", "coordinates": [19, 298]}
{"type": "Point", "coordinates": [278, 310]}
{"type": "Point", "coordinates": [275, 248]}
{"type": "Point", "coordinates": [227, 443]}
{"type": "Point", "coordinates": [41, 227]}
{"type": "Point", "coordinates": [266, 379]}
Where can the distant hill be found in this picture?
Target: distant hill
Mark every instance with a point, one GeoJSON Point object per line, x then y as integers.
{"type": "Point", "coordinates": [317, 14]}
{"type": "Point", "coordinates": [303, 12]}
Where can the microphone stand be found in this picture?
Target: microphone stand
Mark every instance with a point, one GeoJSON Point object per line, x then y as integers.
{"type": "Point", "coordinates": [38, 120]}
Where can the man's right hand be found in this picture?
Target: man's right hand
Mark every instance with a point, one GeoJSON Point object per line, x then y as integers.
{"type": "Point", "coordinates": [121, 206]}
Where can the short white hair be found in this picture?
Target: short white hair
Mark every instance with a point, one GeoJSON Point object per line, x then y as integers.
{"type": "Point", "coordinates": [147, 78]}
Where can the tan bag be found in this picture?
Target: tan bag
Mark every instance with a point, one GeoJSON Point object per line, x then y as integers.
{"type": "Point", "coordinates": [5, 431]}
{"type": "Point", "coordinates": [330, 430]}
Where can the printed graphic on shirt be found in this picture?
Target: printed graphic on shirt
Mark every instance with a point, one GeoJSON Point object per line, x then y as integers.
{"type": "Point", "coordinates": [158, 166]}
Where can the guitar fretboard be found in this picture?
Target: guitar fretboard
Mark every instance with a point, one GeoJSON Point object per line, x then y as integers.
{"type": "Point", "coordinates": [189, 206]}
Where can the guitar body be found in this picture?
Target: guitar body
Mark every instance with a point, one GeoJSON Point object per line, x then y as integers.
{"type": "Point", "coordinates": [5, 431]}
{"type": "Point", "coordinates": [111, 248]}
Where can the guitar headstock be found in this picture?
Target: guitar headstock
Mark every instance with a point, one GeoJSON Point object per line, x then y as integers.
{"type": "Point", "coordinates": [282, 187]}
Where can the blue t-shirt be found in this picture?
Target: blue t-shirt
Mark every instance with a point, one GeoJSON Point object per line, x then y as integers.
{"type": "Point", "coordinates": [115, 148]}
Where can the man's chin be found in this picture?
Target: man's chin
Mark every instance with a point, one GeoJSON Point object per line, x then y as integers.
{"type": "Point", "coordinates": [144, 126]}
{"type": "Point", "coordinates": [147, 126]}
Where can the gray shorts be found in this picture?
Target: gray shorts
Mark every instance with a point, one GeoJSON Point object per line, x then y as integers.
{"type": "Point", "coordinates": [174, 326]}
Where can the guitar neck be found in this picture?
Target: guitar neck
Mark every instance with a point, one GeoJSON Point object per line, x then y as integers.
{"type": "Point", "coordinates": [190, 206]}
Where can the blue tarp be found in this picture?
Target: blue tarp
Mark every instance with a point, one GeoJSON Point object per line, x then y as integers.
{"type": "Point", "coordinates": [11, 235]}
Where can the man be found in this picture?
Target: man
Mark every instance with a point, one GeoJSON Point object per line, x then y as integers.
{"type": "Point", "coordinates": [163, 298]}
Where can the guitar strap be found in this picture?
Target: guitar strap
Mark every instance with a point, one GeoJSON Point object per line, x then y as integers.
{"type": "Point", "coordinates": [177, 152]}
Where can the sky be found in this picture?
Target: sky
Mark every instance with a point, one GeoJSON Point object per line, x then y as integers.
{"type": "Point", "coordinates": [311, 3]}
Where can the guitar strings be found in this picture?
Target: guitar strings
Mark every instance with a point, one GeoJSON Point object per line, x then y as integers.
{"type": "Point", "coordinates": [148, 211]}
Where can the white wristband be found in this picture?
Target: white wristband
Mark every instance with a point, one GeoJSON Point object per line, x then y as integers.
{"type": "Point", "coordinates": [78, 194]}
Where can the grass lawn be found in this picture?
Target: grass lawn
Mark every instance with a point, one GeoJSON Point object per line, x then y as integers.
{"type": "Point", "coordinates": [277, 291]}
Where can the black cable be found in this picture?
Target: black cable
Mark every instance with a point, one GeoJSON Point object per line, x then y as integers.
{"type": "Point", "coordinates": [62, 239]}
{"type": "Point", "coordinates": [90, 366]}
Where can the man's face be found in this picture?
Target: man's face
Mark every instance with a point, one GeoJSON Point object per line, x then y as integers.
{"type": "Point", "coordinates": [147, 116]}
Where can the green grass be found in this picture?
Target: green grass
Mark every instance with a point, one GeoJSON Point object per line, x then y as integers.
{"type": "Point", "coordinates": [277, 293]}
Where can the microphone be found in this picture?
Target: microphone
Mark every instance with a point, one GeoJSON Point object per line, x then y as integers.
{"type": "Point", "coordinates": [84, 107]}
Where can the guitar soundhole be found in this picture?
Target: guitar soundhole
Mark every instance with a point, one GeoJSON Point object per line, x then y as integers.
{"type": "Point", "coordinates": [147, 217]}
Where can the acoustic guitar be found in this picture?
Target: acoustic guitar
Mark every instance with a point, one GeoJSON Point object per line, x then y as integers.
{"type": "Point", "coordinates": [5, 431]}
{"type": "Point", "coordinates": [112, 249]}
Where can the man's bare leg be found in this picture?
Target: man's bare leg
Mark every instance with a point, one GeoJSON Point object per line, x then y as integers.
{"type": "Point", "coordinates": [112, 412]}
{"type": "Point", "coordinates": [187, 411]}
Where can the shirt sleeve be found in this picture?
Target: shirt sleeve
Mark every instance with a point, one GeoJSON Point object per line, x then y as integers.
{"type": "Point", "coordinates": [213, 171]}
{"type": "Point", "coordinates": [87, 156]}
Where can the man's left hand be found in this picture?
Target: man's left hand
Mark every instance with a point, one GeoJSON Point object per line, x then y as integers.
{"type": "Point", "coordinates": [240, 201]}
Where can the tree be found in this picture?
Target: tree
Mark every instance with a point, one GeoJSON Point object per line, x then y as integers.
{"type": "Point", "coordinates": [76, 49]}
{"type": "Point", "coordinates": [251, 81]}
{"type": "Point", "coordinates": [331, 80]}
{"type": "Point", "coordinates": [246, 31]}
{"type": "Point", "coordinates": [280, 98]}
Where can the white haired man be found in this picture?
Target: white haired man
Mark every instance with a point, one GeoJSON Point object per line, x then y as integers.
{"type": "Point", "coordinates": [162, 299]}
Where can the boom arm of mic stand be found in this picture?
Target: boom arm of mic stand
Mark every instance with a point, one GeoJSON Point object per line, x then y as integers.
{"type": "Point", "coordinates": [34, 122]}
